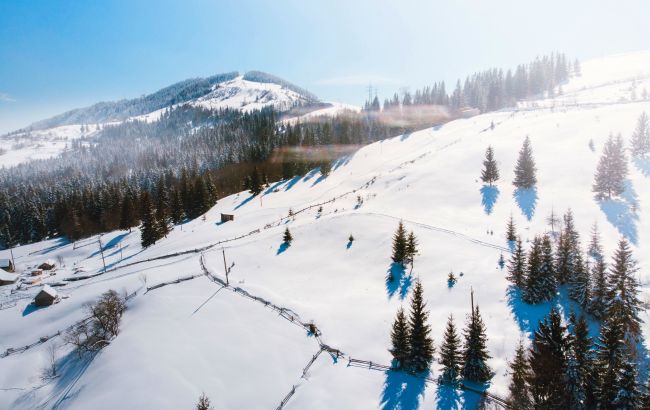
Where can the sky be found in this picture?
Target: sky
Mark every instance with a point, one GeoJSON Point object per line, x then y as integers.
{"type": "Point", "coordinates": [57, 55]}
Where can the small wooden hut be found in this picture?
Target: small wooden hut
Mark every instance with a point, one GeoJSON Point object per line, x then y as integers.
{"type": "Point", "coordinates": [46, 296]}
{"type": "Point", "coordinates": [227, 217]}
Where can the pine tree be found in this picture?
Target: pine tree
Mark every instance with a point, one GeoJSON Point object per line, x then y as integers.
{"type": "Point", "coordinates": [511, 231]}
{"type": "Point", "coordinates": [127, 217]}
{"type": "Point", "coordinates": [450, 354]}
{"type": "Point", "coordinates": [400, 339]}
{"type": "Point", "coordinates": [490, 172]}
{"type": "Point", "coordinates": [176, 207]}
{"type": "Point", "coordinates": [612, 170]}
{"type": "Point", "coordinates": [624, 288]}
{"type": "Point", "coordinates": [628, 395]}
{"type": "Point", "coordinates": [595, 248]}
{"type": "Point", "coordinates": [421, 347]}
{"type": "Point", "coordinates": [149, 230]}
{"type": "Point", "coordinates": [600, 294]}
{"type": "Point", "coordinates": [204, 403]}
{"type": "Point", "coordinates": [580, 369]}
{"type": "Point", "coordinates": [610, 357]}
{"type": "Point", "coordinates": [547, 358]}
{"type": "Point", "coordinates": [287, 238]}
{"type": "Point", "coordinates": [519, 394]}
{"type": "Point", "coordinates": [255, 182]}
{"type": "Point", "coordinates": [400, 244]}
{"type": "Point", "coordinates": [525, 169]}
{"type": "Point", "coordinates": [540, 284]}
{"type": "Point", "coordinates": [580, 283]}
{"type": "Point", "coordinates": [568, 252]}
{"type": "Point", "coordinates": [475, 354]}
{"type": "Point", "coordinates": [644, 401]}
{"type": "Point", "coordinates": [411, 248]}
{"type": "Point", "coordinates": [517, 265]}
{"type": "Point", "coordinates": [640, 142]}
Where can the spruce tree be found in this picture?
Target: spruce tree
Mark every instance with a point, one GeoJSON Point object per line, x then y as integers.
{"type": "Point", "coordinates": [624, 289]}
{"type": "Point", "coordinates": [540, 284]}
{"type": "Point", "coordinates": [568, 252]}
{"type": "Point", "coordinates": [519, 393]}
{"type": "Point", "coordinates": [612, 170]}
{"type": "Point", "coordinates": [400, 244]}
{"type": "Point", "coordinates": [580, 283]}
{"type": "Point", "coordinates": [411, 248]}
{"type": "Point", "coordinates": [595, 248]}
{"type": "Point", "coordinates": [490, 173]}
{"type": "Point", "coordinates": [580, 367]}
{"type": "Point", "coordinates": [128, 216]}
{"type": "Point", "coordinates": [450, 354]}
{"type": "Point", "coordinates": [176, 207]}
{"type": "Point", "coordinates": [421, 347]}
{"type": "Point", "coordinates": [547, 358]}
{"type": "Point", "coordinates": [255, 182]}
{"type": "Point", "coordinates": [517, 265]}
{"type": "Point", "coordinates": [204, 403]}
{"type": "Point", "coordinates": [640, 142]}
{"type": "Point", "coordinates": [628, 395]}
{"type": "Point", "coordinates": [525, 170]}
{"type": "Point", "coordinates": [400, 339]}
{"type": "Point", "coordinates": [600, 294]}
{"type": "Point", "coordinates": [511, 231]}
{"type": "Point", "coordinates": [609, 359]}
{"type": "Point", "coordinates": [475, 354]}
{"type": "Point", "coordinates": [149, 230]}
{"type": "Point", "coordinates": [286, 237]}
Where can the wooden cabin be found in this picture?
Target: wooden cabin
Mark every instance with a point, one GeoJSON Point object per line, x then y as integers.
{"type": "Point", "coordinates": [7, 278]}
{"type": "Point", "coordinates": [47, 265]}
{"type": "Point", "coordinates": [46, 296]}
{"type": "Point", "coordinates": [227, 217]}
{"type": "Point", "coordinates": [6, 265]}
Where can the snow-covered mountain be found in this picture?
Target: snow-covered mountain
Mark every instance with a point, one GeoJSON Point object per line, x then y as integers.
{"type": "Point", "coordinates": [251, 91]}
{"type": "Point", "coordinates": [245, 345]}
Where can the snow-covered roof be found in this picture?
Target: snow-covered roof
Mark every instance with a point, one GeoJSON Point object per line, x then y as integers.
{"type": "Point", "coordinates": [8, 277]}
{"type": "Point", "coordinates": [5, 263]}
{"type": "Point", "coordinates": [49, 290]}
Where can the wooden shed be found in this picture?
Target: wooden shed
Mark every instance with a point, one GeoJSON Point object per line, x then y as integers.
{"type": "Point", "coordinates": [7, 278]}
{"type": "Point", "coordinates": [46, 296]}
{"type": "Point", "coordinates": [227, 217]}
{"type": "Point", "coordinates": [47, 265]}
{"type": "Point", "coordinates": [6, 265]}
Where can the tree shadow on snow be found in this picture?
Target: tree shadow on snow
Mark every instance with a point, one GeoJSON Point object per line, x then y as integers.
{"type": "Point", "coordinates": [526, 200]}
{"type": "Point", "coordinates": [283, 247]}
{"type": "Point", "coordinates": [397, 281]}
{"type": "Point", "coordinates": [643, 165]}
{"type": "Point", "coordinates": [293, 181]}
{"type": "Point", "coordinates": [448, 397]}
{"type": "Point", "coordinates": [70, 369]}
{"type": "Point", "coordinates": [245, 201]}
{"type": "Point", "coordinates": [489, 195]}
{"type": "Point", "coordinates": [402, 390]}
{"type": "Point", "coordinates": [623, 213]}
{"type": "Point", "coordinates": [320, 179]}
{"type": "Point", "coordinates": [527, 316]}
{"type": "Point", "coordinates": [310, 174]}
{"type": "Point", "coordinates": [111, 244]}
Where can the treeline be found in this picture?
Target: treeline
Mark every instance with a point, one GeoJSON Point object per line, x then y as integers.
{"type": "Point", "coordinates": [83, 191]}
{"type": "Point", "coordinates": [490, 89]}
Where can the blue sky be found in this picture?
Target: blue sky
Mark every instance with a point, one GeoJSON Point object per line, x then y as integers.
{"type": "Point", "coordinates": [57, 55]}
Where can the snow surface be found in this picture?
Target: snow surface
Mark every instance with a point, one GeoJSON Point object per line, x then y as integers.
{"type": "Point", "coordinates": [194, 336]}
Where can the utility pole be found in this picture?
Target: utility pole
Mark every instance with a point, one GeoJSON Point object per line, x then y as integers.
{"type": "Point", "coordinates": [223, 251]}
{"type": "Point", "coordinates": [101, 251]}
{"type": "Point", "coordinates": [472, 298]}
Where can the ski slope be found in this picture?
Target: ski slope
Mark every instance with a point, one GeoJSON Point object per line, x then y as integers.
{"type": "Point", "coordinates": [195, 336]}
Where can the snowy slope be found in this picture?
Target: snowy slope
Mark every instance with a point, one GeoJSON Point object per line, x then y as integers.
{"type": "Point", "coordinates": [236, 93]}
{"type": "Point", "coordinates": [184, 338]}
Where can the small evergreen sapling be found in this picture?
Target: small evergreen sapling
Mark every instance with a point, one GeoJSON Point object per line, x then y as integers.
{"type": "Point", "coordinates": [400, 245]}
{"type": "Point", "coordinates": [511, 230]}
{"type": "Point", "coordinates": [286, 237]}
{"type": "Point", "coordinates": [204, 403]}
{"type": "Point", "coordinates": [517, 265]}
